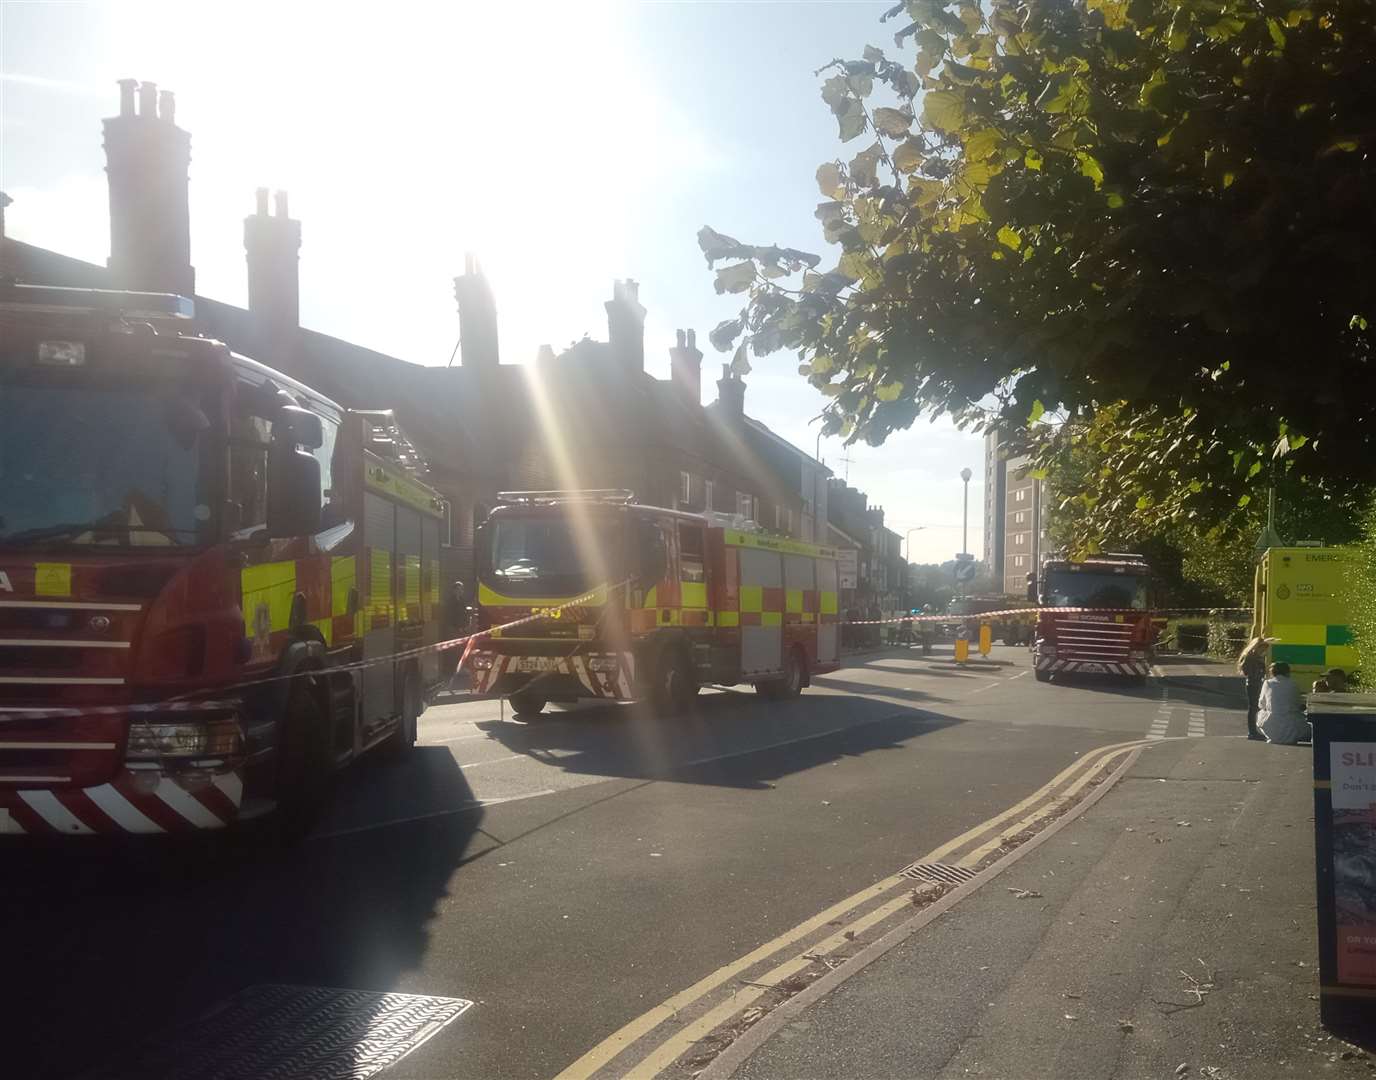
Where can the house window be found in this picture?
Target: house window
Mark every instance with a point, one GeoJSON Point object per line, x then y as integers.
{"type": "Point", "coordinates": [1019, 560]}
{"type": "Point", "coordinates": [745, 505]}
{"type": "Point", "coordinates": [1018, 518]}
{"type": "Point", "coordinates": [783, 519]}
{"type": "Point", "coordinates": [707, 491]}
{"type": "Point", "coordinates": [1022, 495]}
{"type": "Point", "coordinates": [685, 489]}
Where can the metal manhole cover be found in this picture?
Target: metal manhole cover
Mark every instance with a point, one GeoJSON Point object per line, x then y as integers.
{"type": "Point", "coordinates": [293, 1033]}
{"type": "Point", "coordinates": [943, 873]}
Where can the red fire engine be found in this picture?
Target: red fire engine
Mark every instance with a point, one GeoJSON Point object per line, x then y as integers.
{"type": "Point", "coordinates": [177, 521]}
{"type": "Point", "coordinates": [1115, 637]}
{"type": "Point", "coordinates": [632, 602]}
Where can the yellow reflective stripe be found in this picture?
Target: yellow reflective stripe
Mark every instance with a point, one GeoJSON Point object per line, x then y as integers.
{"type": "Point", "coordinates": [828, 603]}
{"type": "Point", "coordinates": [694, 594]}
{"type": "Point", "coordinates": [752, 598]}
{"type": "Point", "coordinates": [728, 618]}
{"type": "Point", "coordinates": [381, 599]}
{"type": "Point", "coordinates": [412, 571]}
{"type": "Point", "coordinates": [772, 618]}
{"type": "Point", "coordinates": [434, 581]}
{"type": "Point", "coordinates": [793, 600]}
{"type": "Point", "coordinates": [343, 578]}
{"type": "Point", "coordinates": [271, 585]}
{"type": "Point", "coordinates": [1301, 634]}
{"type": "Point", "coordinates": [652, 596]}
{"type": "Point", "coordinates": [808, 616]}
{"type": "Point", "coordinates": [593, 598]}
{"type": "Point", "coordinates": [326, 628]}
{"type": "Point", "coordinates": [52, 579]}
{"type": "Point", "coordinates": [775, 543]}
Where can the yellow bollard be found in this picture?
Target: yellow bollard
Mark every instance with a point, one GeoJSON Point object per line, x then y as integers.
{"type": "Point", "coordinates": [986, 638]}
{"type": "Point", "coordinates": [962, 650]}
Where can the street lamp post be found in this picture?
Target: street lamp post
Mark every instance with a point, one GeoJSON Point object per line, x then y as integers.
{"type": "Point", "coordinates": [965, 475]}
{"type": "Point", "coordinates": [908, 542]}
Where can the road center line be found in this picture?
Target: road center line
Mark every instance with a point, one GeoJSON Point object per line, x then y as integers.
{"type": "Point", "coordinates": [494, 761]}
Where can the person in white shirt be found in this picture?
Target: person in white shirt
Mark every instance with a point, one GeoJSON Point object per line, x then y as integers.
{"type": "Point", "coordinates": [1280, 710]}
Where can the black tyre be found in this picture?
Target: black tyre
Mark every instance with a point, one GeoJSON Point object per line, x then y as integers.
{"type": "Point", "coordinates": [673, 685]}
{"type": "Point", "coordinates": [305, 763]}
{"type": "Point", "coordinates": [527, 705]}
{"type": "Point", "coordinates": [403, 740]}
{"type": "Point", "coordinates": [790, 686]}
{"type": "Point", "coordinates": [1040, 675]}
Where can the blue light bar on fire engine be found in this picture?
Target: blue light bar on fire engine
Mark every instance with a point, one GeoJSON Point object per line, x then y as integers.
{"type": "Point", "coordinates": [60, 300]}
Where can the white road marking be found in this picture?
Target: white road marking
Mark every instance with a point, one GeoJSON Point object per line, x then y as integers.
{"type": "Point", "coordinates": [493, 761]}
{"type": "Point", "coordinates": [1019, 675]}
{"type": "Point", "coordinates": [981, 689]}
{"type": "Point", "coordinates": [456, 738]}
{"type": "Point", "coordinates": [463, 809]}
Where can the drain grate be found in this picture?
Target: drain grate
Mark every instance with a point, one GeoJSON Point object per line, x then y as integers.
{"type": "Point", "coordinates": [942, 873]}
{"type": "Point", "coordinates": [294, 1033]}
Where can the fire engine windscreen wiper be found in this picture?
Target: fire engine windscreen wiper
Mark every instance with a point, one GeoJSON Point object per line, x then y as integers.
{"type": "Point", "coordinates": [54, 532]}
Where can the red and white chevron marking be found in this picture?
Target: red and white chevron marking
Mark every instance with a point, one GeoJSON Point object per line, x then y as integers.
{"type": "Point", "coordinates": [134, 802]}
{"type": "Point", "coordinates": [616, 685]}
{"type": "Point", "coordinates": [1099, 667]}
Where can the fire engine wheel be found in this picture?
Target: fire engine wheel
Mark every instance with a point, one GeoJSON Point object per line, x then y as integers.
{"type": "Point", "coordinates": [403, 740]}
{"type": "Point", "coordinates": [305, 766]}
{"type": "Point", "coordinates": [673, 686]}
{"type": "Point", "coordinates": [527, 706]}
{"type": "Point", "coordinates": [790, 686]}
{"type": "Point", "coordinates": [1040, 675]}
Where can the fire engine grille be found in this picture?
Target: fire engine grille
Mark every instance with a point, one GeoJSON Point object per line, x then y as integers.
{"type": "Point", "coordinates": [941, 873]}
{"type": "Point", "coordinates": [294, 1033]}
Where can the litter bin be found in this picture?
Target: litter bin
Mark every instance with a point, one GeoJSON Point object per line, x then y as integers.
{"type": "Point", "coordinates": [1345, 855]}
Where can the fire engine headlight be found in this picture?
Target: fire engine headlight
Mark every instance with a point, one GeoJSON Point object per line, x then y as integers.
{"type": "Point", "coordinates": [602, 664]}
{"type": "Point", "coordinates": [481, 661]}
{"type": "Point", "coordinates": [184, 739]}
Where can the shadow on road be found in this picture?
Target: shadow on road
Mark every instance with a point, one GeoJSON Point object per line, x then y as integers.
{"type": "Point", "coordinates": [729, 739]}
{"type": "Point", "coordinates": [118, 943]}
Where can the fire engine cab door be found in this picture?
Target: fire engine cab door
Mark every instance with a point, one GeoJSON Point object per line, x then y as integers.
{"type": "Point", "coordinates": [761, 591]}
{"type": "Point", "coordinates": [380, 608]}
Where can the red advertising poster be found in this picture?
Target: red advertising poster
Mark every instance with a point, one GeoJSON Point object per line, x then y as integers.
{"type": "Point", "coordinates": [1353, 774]}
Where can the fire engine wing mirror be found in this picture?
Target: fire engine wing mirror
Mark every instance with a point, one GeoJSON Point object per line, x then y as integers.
{"type": "Point", "coordinates": [293, 491]}
{"type": "Point", "coordinates": [305, 427]}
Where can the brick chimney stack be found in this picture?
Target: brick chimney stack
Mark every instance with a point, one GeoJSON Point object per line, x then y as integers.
{"type": "Point", "coordinates": [477, 317]}
{"type": "Point", "coordinates": [272, 245]}
{"type": "Point", "coordinates": [147, 159]}
{"type": "Point", "coordinates": [685, 366]}
{"type": "Point", "coordinates": [626, 324]}
{"type": "Point", "coordinates": [731, 394]}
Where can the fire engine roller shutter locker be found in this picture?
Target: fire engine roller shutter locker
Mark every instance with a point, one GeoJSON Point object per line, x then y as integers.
{"type": "Point", "coordinates": [800, 600]}
{"type": "Point", "coordinates": [762, 630]}
{"type": "Point", "coordinates": [379, 635]}
{"type": "Point", "coordinates": [826, 620]}
{"type": "Point", "coordinates": [430, 597]}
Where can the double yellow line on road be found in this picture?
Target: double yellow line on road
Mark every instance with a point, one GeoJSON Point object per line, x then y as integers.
{"type": "Point", "coordinates": [1043, 802]}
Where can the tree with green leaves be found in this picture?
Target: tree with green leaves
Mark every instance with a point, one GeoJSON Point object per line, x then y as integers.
{"type": "Point", "coordinates": [1145, 223]}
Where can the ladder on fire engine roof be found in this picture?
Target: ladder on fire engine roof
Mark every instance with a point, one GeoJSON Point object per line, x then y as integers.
{"type": "Point", "coordinates": [617, 496]}
{"type": "Point", "coordinates": [63, 300]}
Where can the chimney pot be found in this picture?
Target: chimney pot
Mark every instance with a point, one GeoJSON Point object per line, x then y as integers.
{"type": "Point", "coordinates": [148, 100]}
{"type": "Point", "coordinates": [126, 96]}
{"type": "Point", "coordinates": [478, 342]}
{"type": "Point", "coordinates": [281, 204]}
{"type": "Point", "coordinates": [261, 196]}
{"type": "Point", "coordinates": [692, 339]}
{"type": "Point", "coordinates": [167, 107]}
{"type": "Point", "coordinates": [626, 324]}
{"type": "Point", "coordinates": [682, 339]}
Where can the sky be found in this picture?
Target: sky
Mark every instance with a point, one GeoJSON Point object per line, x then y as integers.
{"type": "Point", "coordinates": [565, 144]}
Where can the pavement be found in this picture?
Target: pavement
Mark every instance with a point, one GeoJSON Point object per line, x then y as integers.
{"type": "Point", "coordinates": [607, 888]}
{"type": "Point", "coordinates": [1167, 931]}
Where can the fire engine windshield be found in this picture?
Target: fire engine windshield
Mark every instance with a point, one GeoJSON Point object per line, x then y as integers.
{"type": "Point", "coordinates": [1074, 588]}
{"type": "Point", "coordinates": [552, 556]}
{"type": "Point", "coordinates": [102, 463]}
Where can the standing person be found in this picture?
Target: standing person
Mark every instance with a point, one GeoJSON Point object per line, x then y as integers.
{"type": "Point", "coordinates": [1280, 711]}
{"type": "Point", "coordinates": [1251, 665]}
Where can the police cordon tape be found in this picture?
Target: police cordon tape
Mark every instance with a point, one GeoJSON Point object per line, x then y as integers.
{"type": "Point", "coordinates": [191, 702]}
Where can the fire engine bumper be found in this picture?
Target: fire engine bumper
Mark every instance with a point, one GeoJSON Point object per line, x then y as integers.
{"type": "Point", "coordinates": [1129, 667]}
{"type": "Point", "coordinates": [137, 801]}
{"type": "Point", "coordinates": [591, 674]}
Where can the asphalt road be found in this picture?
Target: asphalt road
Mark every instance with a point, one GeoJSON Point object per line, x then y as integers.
{"type": "Point", "coordinates": [565, 875]}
